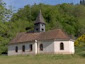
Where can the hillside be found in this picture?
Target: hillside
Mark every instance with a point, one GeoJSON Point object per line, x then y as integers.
{"type": "Point", "coordinates": [70, 18]}
{"type": "Point", "coordinates": [65, 16]}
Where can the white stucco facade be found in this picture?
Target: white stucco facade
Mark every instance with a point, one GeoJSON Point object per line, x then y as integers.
{"type": "Point", "coordinates": [11, 49]}
{"type": "Point", "coordinates": [49, 47]}
{"type": "Point", "coordinates": [68, 47]}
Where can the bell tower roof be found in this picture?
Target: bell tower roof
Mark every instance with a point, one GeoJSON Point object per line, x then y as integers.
{"type": "Point", "coordinates": [39, 18]}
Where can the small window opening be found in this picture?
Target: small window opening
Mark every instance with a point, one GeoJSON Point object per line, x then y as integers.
{"type": "Point", "coordinates": [42, 29]}
{"type": "Point", "coordinates": [16, 49]}
{"type": "Point", "coordinates": [37, 29]}
{"type": "Point", "coordinates": [41, 47]}
{"type": "Point", "coordinates": [61, 46]}
{"type": "Point", "coordinates": [23, 48]}
{"type": "Point", "coordinates": [30, 47]}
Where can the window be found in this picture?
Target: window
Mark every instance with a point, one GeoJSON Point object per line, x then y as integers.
{"type": "Point", "coordinates": [41, 47]}
{"type": "Point", "coordinates": [37, 29]}
{"type": "Point", "coordinates": [42, 29]}
{"type": "Point", "coordinates": [61, 46]}
{"type": "Point", "coordinates": [30, 47]}
{"type": "Point", "coordinates": [16, 49]}
{"type": "Point", "coordinates": [23, 48]}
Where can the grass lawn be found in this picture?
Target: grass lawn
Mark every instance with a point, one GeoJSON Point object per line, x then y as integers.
{"type": "Point", "coordinates": [43, 59]}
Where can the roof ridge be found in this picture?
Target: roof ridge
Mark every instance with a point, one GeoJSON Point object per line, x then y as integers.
{"type": "Point", "coordinates": [51, 34]}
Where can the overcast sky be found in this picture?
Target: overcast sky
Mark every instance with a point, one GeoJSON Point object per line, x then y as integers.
{"type": "Point", "coordinates": [21, 3]}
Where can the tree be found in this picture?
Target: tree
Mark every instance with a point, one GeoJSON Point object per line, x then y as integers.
{"type": "Point", "coordinates": [4, 37]}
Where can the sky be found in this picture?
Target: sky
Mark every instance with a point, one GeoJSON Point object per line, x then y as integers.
{"type": "Point", "coordinates": [21, 3]}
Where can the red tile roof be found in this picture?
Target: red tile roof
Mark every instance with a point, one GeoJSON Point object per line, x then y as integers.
{"type": "Point", "coordinates": [49, 35]}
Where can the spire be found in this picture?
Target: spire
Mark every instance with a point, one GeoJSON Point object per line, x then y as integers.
{"type": "Point", "coordinates": [39, 18]}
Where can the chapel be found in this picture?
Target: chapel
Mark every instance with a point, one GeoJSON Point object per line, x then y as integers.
{"type": "Point", "coordinates": [40, 41]}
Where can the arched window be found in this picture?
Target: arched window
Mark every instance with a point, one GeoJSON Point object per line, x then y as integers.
{"type": "Point", "coordinates": [16, 49]}
{"type": "Point", "coordinates": [30, 46]}
{"type": "Point", "coordinates": [61, 46]}
{"type": "Point", "coordinates": [42, 29]}
{"type": "Point", "coordinates": [41, 47]}
{"type": "Point", "coordinates": [23, 48]}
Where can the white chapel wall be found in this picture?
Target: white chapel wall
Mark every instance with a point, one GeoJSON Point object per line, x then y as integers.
{"type": "Point", "coordinates": [48, 47]}
{"type": "Point", "coordinates": [11, 49]}
{"type": "Point", "coordinates": [68, 47]}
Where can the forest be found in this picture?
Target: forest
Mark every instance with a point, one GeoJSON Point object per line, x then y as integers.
{"type": "Point", "coordinates": [68, 17]}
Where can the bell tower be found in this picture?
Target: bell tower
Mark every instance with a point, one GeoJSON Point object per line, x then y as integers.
{"type": "Point", "coordinates": [39, 25]}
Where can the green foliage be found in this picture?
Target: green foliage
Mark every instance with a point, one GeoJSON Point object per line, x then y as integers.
{"type": "Point", "coordinates": [80, 42]}
{"type": "Point", "coordinates": [4, 27]}
{"type": "Point", "coordinates": [70, 18]}
{"type": "Point", "coordinates": [59, 16]}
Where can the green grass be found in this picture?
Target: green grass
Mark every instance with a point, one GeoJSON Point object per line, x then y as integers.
{"type": "Point", "coordinates": [43, 59]}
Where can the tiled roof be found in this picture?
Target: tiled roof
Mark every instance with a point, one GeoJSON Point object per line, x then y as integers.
{"type": "Point", "coordinates": [49, 35]}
